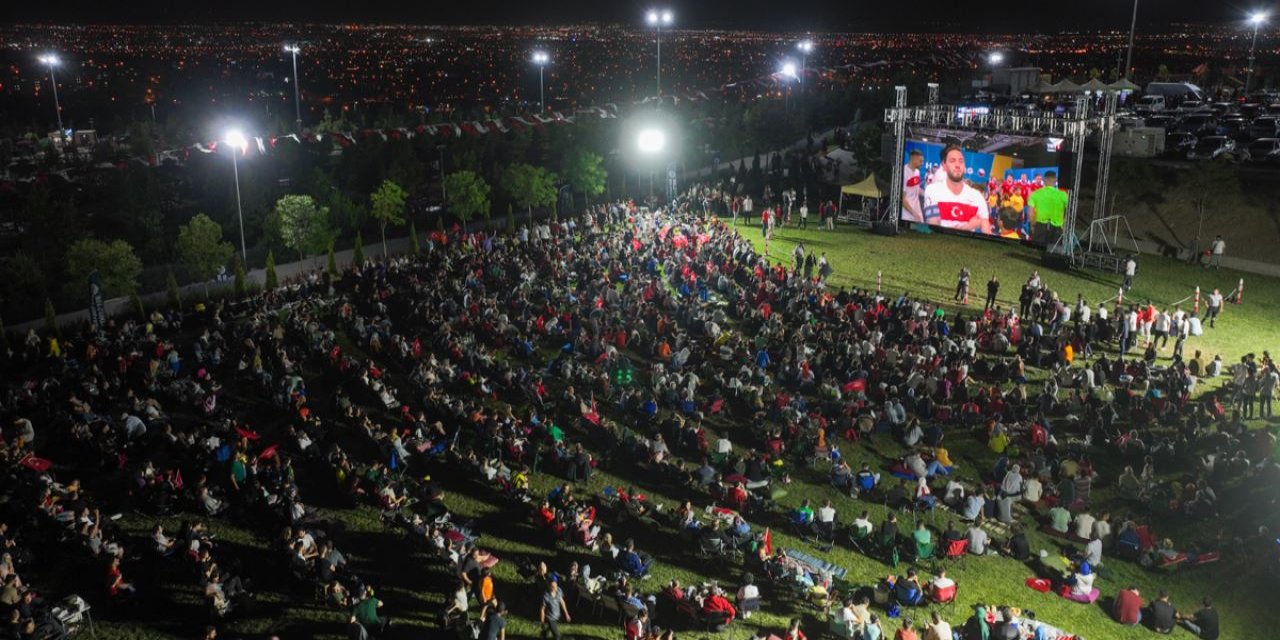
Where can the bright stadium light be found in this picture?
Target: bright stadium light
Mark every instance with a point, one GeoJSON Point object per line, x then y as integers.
{"type": "Point", "coordinates": [651, 141]}
{"type": "Point", "coordinates": [541, 59]}
{"type": "Point", "coordinates": [657, 18]}
{"type": "Point", "coordinates": [297, 92]}
{"type": "Point", "coordinates": [789, 69]}
{"type": "Point", "coordinates": [805, 46]}
{"type": "Point", "coordinates": [995, 58]}
{"type": "Point", "coordinates": [236, 140]}
{"type": "Point", "coordinates": [1257, 19]}
{"type": "Point", "coordinates": [50, 60]}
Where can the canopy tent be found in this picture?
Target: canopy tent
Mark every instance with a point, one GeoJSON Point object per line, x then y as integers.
{"type": "Point", "coordinates": [1095, 85]}
{"type": "Point", "coordinates": [1063, 86]}
{"type": "Point", "coordinates": [1123, 84]}
{"type": "Point", "coordinates": [869, 187]}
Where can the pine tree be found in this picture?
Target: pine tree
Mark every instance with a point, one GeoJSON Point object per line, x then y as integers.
{"type": "Point", "coordinates": [272, 281]}
{"type": "Point", "coordinates": [175, 294]}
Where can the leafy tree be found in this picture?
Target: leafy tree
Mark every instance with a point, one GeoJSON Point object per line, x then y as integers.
{"type": "Point", "coordinates": [586, 174]}
{"type": "Point", "coordinates": [413, 239]}
{"type": "Point", "coordinates": [301, 225]}
{"type": "Point", "coordinates": [468, 194]}
{"type": "Point", "coordinates": [175, 294]}
{"type": "Point", "coordinates": [357, 254]}
{"type": "Point", "coordinates": [239, 279]}
{"type": "Point", "coordinates": [272, 281]}
{"type": "Point", "coordinates": [24, 281]}
{"type": "Point", "coordinates": [202, 249]}
{"type": "Point", "coordinates": [388, 207]}
{"type": "Point", "coordinates": [117, 266]}
{"type": "Point", "coordinates": [529, 186]}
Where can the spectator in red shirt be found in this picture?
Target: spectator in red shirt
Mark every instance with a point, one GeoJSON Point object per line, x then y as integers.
{"type": "Point", "coordinates": [1128, 607]}
{"type": "Point", "coordinates": [717, 603]}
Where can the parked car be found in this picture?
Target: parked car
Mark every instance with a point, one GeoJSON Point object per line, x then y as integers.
{"type": "Point", "coordinates": [1261, 150]}
{"type": "Point", "coordinates": [1265, 127]}
{"type": "Point", "coordinates": [1150, 104]}
{"type": "Point", "coordinates": [1166, 122]}
{"type": "Point", "coordinates": [1213, 148]}
{"type": "Point", "coordinates": [1234, 127]}
{"type": "Point", "coordinates": [1178, 143]}
{"type": "Point", "coordinates": [1189, 106]}
{"type": "Point", "coordinates": [1199, 124]}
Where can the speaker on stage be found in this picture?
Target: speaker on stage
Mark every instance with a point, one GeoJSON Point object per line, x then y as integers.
{"type": "Point", "coordinates": [889, 228]}
{"type": "Point", "coordinates": [1055, 261]}
{"type": "Point", "coordinates": [1066, 168]}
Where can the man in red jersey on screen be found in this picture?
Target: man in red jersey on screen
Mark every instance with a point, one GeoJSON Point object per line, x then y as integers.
{"type": "Point", "coordinates": [953, 203]}
{"type": "Point", "coordinates": [912, 188]}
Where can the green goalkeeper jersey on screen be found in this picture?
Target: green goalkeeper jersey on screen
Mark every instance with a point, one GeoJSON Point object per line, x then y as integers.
{"type": "Point", "coordinates": [1049, 204]}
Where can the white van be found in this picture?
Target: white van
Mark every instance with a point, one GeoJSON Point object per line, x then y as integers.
{"type": "Point", "coordinates": [1150, 104]}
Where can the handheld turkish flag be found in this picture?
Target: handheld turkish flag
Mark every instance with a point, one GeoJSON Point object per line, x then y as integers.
{"type": "Point", "coordinates": [768, 542]}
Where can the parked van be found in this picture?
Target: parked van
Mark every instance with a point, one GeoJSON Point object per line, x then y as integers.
{"type": "Point", "coordinates": [1150, 104]}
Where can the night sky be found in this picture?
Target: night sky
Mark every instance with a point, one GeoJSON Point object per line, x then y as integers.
{"type": "Point", "coordinates": [795, 15]}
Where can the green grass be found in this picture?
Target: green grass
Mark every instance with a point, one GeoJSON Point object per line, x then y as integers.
{"type": "Point", "coordinates": [922, 264]}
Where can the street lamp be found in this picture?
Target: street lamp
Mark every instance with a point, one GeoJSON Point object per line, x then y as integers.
{"type": "Point", "coordinates": [541, 59]}
{"type": "Point", "coordinates": [805, 47]}
{"type": "Point", "coordinates": [1128, 58]}
{"type": "Point", "coordinates": [651, 141]}
{"type": "Point", "coordinates": [995, 58]}
{"type": "Point", "coordinates": [1257, 19]}
{"type": "Point", "coordinates": [788, 71]}
{"type": "Point", "coordinates": [657, 18]}
{"type": "Point", "coordinates": [238, 144]}
{"type": "Point", "coordinates": [297, 100]}
{"type": "Point", "coordinates": [51, 61]}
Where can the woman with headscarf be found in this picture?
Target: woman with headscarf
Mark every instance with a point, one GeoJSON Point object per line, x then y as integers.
{"type": "Point", "coordinates": [1082, 581]}
{"type": "Point", "coordinates": [977, 627]}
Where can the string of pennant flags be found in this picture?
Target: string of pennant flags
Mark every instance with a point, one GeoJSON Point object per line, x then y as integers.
{"type": "Point", "coordinates": [264, 145]}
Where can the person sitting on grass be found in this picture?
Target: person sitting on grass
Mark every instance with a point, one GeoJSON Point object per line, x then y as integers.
{"type": "Point", "coordinates": [1128, 606]}
{"type": "Point", "coordinates": [633, 562]}
{"type": "Point", "coordinates": [1059, 519]}
{"type": "Point", "coordinates": [1204, 623]}
{"type": "Point", "coordinates": [1163, 615]}
{"type": "Point", "coordinates": [942, 588]}
{"type": "Point", "coordinates": [922, 535]}
{"type": "Point", "coordinates": [1081, 582]}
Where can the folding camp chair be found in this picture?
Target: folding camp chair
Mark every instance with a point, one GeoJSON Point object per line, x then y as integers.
{"type": "Point", "coordinates": [824, 535]}
{"type": "Point", "coordinates": [945, 599]}
{"type": "Point", "coordinates": [955, 550]}
{"type": "Point", "coordinates": [859, 538]}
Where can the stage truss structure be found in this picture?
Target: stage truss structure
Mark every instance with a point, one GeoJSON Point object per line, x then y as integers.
{"type": "Point", "coordinates": [1074, 125]}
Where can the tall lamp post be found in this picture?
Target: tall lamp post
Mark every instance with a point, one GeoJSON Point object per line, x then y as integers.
{"type": "Point", "coordinates": [805, 47]}
{"type": "Point", "coordinates": [51, 61]}
{"type": "Point", "coordinates": [1257, 20]}
{"type": "Point", "coordinates": [1128, 58]}
{"type": "Point", "coordinates": [297, 100]}
{"type": "Point", "coordinates": [541, 59]}
{"type": "Point", "coordinates": [238, 144]}
{"type": "Point", "coordinates": [788, 71]}
{"type": "Point", "coordinates": [657, 18]}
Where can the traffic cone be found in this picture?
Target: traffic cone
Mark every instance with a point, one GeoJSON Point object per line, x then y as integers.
{"type": "Point", "coordinates": [1240, 292]}
{"type": "Point", "coordinates": [1196, 308]}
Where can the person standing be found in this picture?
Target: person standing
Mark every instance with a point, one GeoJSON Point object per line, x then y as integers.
{"type": "Point", "coordinates": [1267, 390]}
{"type": "Point", "coordinates": [831, 216]}
{"type": "Point", "coordinates": [993, 289]}
{"type": "Point", "coordinates": [1219, 247]}
{"type": "Point", "coordinates": [493, 621]}
{"type": "Point", "coordinates": [746, 209]}
{"type": "Point", "coordinates": [1215, 307]}
{"type": "Point", "coordinates": [1130, 270]}
{"type": "Point", "coordinates": [962, 284]}
{"type": "Point", "coordinates": [804, 215]}
{"type": "Point", "coordinates": [552, 610]}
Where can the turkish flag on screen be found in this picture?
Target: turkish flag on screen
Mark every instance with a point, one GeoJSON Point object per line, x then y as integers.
{"type": "Point", "coordinates": [956, 211]}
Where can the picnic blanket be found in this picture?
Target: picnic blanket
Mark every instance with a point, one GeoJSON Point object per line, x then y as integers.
{"type": "Point", "coordinates": [817, 565]}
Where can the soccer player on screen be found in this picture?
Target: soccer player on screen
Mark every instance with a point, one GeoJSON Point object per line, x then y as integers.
{"type": "Point", "coordinates": [953, 203]}
{"type": "Point", "coordinates": [911, 210]}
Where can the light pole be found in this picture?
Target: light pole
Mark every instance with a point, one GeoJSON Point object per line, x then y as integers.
{"type": "Point", "coordinates": [1257, 20]}
{"type": "Point", "coordinates": [541, 59]}
{"type": "Point", "coordinates": [651, 142]}
{"type": "Point", "coordinates": [1128, 58]}
{"type": "Point", "coordinates": [297, 99]}
{"type": "Point", "coordinates": [788, 71]}
{"type": "Point", "coordinates": [238, 144]}
{"type": "Point", "coordinates": [805, 47]}
{"type": "Point", "coordinates": [657, 18]}
{"type": "Point", "coordinates": [52, 61]}
{"type": "Point", "coordinates": [444, 197]}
